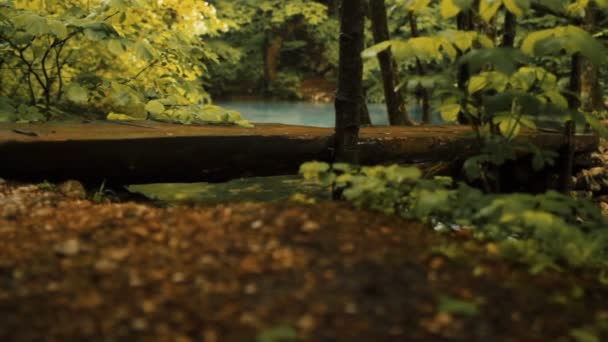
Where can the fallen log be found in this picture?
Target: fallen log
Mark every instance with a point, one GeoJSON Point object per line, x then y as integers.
{"type": "Point", "coordinates": [144, 152]}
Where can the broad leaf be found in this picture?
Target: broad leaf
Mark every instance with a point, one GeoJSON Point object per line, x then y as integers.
{"type": "Point", "coordinates": [155, 107]}
{"type": "Point", "coordinates": [488, 9]}
{"type": "Point", "coordinates": [77, 94]}
{"type": "Point", "coordinates": [449, 112]}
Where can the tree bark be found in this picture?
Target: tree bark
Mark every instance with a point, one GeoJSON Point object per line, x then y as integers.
{"type": "Point", "coordinates": [395, 104]}
{"type": "Point", "coordinates": [508, 37]}
{"type": "Point", "coordinates": [423, 95]}
{"type": "Point", "coordinates": [272, 52]}
{"type": "Point", "coordinates": [464, 22]}
{"type": "Point", "coordinates": [349, 97]}
{"type": "Point", "coordinates": [590, 89]}
{"type": "Point", "coordinates": [574, 87]}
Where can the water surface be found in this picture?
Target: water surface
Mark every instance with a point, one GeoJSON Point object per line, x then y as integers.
{"type": "Point", "coordinates": [302, 113]}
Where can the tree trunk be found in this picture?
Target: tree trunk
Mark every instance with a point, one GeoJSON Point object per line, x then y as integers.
{"type": "Point", "coordinates": [464, 22]}
{"type": "Point", "coordinates": [272, 53]}
{"type": "Point", "coordinates": [364, 117]}
{"type": "Point", "coordinates": [574, 87]}
{"type": "Point", "coordinates": [590, 90]}
{"type": "Point", "coordinates": [350, 84]}
{"type": "Point", "coordinates": [423, 95]}
{"type": "Point", "coordinates": [508, 37]}
{"type": "Point", "coordinates": [395, 104]}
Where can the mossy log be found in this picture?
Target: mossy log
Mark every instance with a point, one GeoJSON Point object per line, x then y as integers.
{"type": "Point", "coordinates": [156, 152]}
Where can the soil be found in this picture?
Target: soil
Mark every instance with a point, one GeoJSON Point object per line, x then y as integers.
{"type": "Point", "coordinates": [75, 269]}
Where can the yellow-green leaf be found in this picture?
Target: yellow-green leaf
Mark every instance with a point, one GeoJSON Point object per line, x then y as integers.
{"type": "Point", "coordinates": [517, 7]}
{"type": "Point", "coordinates": [449, 112]}
{"type": "Point", "coordinates": [77, 94]}
{"type": "Point", "coordinates": [417, 5]}
{"type": "Point", "coordinates": [477, 83]}
{"type": "Point", "coordinates": [116, 47]}
{"type": "Point", "coordinates": [120, 117]}
{"type": "Point", "coordinates": [374, 50]}
{"type": "Point", "coordinates": [58, 29]}
{"type": "Point", "coordinates": [488, 9]}
{"type": "Point", "coordinates": [155, 107]}
{"type": "Point", "coordinates": [509, 127]}
{"type": "Point", "coordinates": [556, 98]}
{"type": "Point", "coordinates": [449, 9]}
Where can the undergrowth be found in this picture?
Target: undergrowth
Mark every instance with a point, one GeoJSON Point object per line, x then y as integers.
{"type": "Point", "coordinates": [546, 231]}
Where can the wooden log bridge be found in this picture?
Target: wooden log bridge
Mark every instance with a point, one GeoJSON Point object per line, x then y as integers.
{"type": "Point", "coordinates": [144, 152]}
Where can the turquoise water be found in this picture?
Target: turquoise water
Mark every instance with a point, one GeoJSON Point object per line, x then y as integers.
{"type": "Point", "coordinates": [302, 113]}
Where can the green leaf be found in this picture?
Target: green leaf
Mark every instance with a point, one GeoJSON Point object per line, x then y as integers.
{"type": "Point", "coordinates": [374, 50]}
{"type": "Point", "coordinates": [144, 51]}
{"type": "Point", "coordinates": [416, 6]}
{"type": "Point", "coordinates": [449, 9]}
{"type": "Point", "coordinates": [8, 112]}
{"type": "Point", "coordinates": [77, 94]}
{"type": "Point", "coordinates": [32, 24]}
{"type": "Point", "coordinates": [277, 334]}
{"type": "Point", "coordinates": [116, 47]}
{"type": "Point", "coordinates": [489, 8]}
{"type": "Point", "coordinates": [155, 107]}
{"type": "Point", "coordinates": [477, 83]}
{"type": "Point", "coordinates": [517, 7]}
{"type": "Point", "coordinates": [449, 112]}
{"type": "Point", "coordinates": [458, 306]}
{"type": "Point", "coordinates": [120, 117]}
{"type": "Point", "coordinates": [583, 335]}
{"type": "Point", "coordinates": [570, 38]}
{"type": "Point", "coordinates": [509, 127]}
{"type": "Point", "coordinates": [58, 29]}
{"type": "Point", "coordinates": [505, 60]}
{"type": "Point", "coordinates": [597, 126]}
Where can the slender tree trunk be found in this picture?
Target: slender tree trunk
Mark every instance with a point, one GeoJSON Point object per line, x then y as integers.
{"type": "Point", "coordinates": [464, 22]}
{"type": "Point", "coordinates": [364, 116]}
{"type": "Point", "coordinates": [272, 52]}
{"type": "Point", "coordinates": [574, 87]}
{"type": "Point", "coordinates": [395, 104]}
{"type": "Point", "coordinates": [350, 84]}
{"type": "Point", "coordinates": [590, 90]}
{"type": "Point", "coordinates": [510, 30]}
{"type": "Point", "coordinates": [422, 95]}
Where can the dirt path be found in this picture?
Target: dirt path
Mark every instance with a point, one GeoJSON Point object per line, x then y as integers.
{"type": "Point", "coordinates": [71, 269]}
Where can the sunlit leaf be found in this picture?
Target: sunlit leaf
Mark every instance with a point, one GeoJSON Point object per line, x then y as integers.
{"type": "Point", "coordinates": [417, 5]}
{"type": "Point", "coordinates": [488, 9]}
{"type": "Point", "coordinates": [155, 107]}
{"type": "Point", "coordinates": [517, 7]}
{"type": "Point", "coordinates": [77, 94]}
{"type": "Point", "coordinates": [449, 9]}
{"type": "Point", "coordinates": [449, 112]}
{"type": "Point", "coordinates": [120, 117]}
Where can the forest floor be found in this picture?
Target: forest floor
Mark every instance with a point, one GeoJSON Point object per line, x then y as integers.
{"type": "Point", "coordinates": [76, 269]}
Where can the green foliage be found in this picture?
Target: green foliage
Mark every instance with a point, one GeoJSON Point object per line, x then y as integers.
{"type": "Point", "coordinates": [301, 30]}
{"type": "Point", "coordinates": [458, 306]}
{"type": "Point", "coordinates": [277, 334]}
{"type": "Point", "coordinates": [122, 57]}
{"type": "Point", "coordinates": [549, 230]}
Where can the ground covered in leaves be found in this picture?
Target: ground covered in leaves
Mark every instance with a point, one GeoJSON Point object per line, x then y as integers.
{"type": "Point", "coordinates": [75, 269]}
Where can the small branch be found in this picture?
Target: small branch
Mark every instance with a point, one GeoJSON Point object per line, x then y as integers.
{"type": "Point", "coordinates": [152, 64]}
{"type": "Point", "coordinates": [111, 15]}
